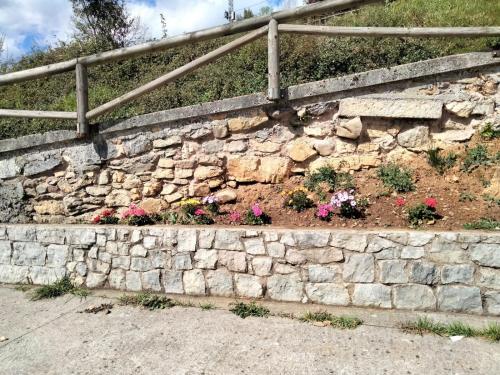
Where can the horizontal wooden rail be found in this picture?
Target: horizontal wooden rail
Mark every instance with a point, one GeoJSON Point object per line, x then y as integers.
{"type": "Point", "coordinates": [177, 73]}
{"type": "Point", "coordinates": [38, 114]}
{"type": "Point", "coordinates": [391, 31]}
{"type": "Point", "coordinates": [188, 38]}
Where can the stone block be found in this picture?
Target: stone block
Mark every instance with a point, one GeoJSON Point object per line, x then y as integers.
{"type": "Point", "coordinates": [151, 280]}
{"type": "Point", "coordinates": [414, 297]}
{"type": "Point", "coordinates": [182, 261]}
{"type": "Point", "coordinates": [28, 254]}
{"type": "Point", "coordinates": [391, 108]}
{"type": "Point", "coordinates": [424, 273]}
{"type": "Point", "coordinates": [294, 256]}
{"type": "Point", "coordinates": [328, 294]}
{"type": "Point", "coordinates": [248, 286]}
{"type": "Point", "coordinates": [194, 282]}
{"type": "Point", "coordinates": [300, 150]}
{"type": "Point", "coordinates": [95, 280]}
{"type": "Point", "coordinates": [5, 252]}
{"type": "Point", "coordinates": [122, 262]}
{"type": "Point", "coordinates": [377, 244]}
{"type": "Point", "coordinates": [323, 274]}
{"type": "Point", "coordinates": [228, 240]}
{"type": "Point", "coordinates": [206, 238]}
{"type": "Point", "coordinates": [45, 276]}
{"type": "Point", "coordinates": [138, 251]}
{"type": "Point", "coordinates": [310, 239]}
{"type": "Point", "coordinates": [349, 129]}
{"type": "Point", "coordinates": [262, 266]}
{"type": "Point", "coordinates": [205, 259]}
{"type": "Point", "coordinates": [21, 233]}
{"type": "Point", "coordinates": [220, 283]}
{"type": "Point", "coordinates": [116, 279]}
{"type": "Point", "coordinates": [349, 241]}
{"type": "Point", "coordinates": [489, 277]}
{"type": "Point", "coordinates": [485, 254]}
{"type": "Point", "coordinates": [459, 299]}
{"type": "Point", "coordinates": [234, 261]}
{"type": "Point", "coordinates": [276, 250]}
{"type": "Point", "coordinates": [133, 281]}
{"type": "Point", "coordinates": [492, 302]}
{"type": "Point", "coordinates": [392, 272]}
{"type": "Point", "coordinates": [13, 274]}
{"type": "Point", "coordinates": [412, 252]}
{"type": "Point", "coordinates": [141, 264]}
{"type": "Point", "coordinates": [463, 273]}
{"type": "Point", "coordinates": [81, 236]}
{"type": "Point", "coordinates": [186, 240]}
{"type": "Point", "coordinates": [285, 288]}
{"type": "Point", "coordinates": [172, 282]}
{"type": "Point", "coordinates": [57, 255]}
{"type": "Point", "coordinates": [50, 236]}
{"type": "Point", "coordinates": [254, 246]}
{"type": "Point", "coordinates": [323, 256]}
{"type": "Point", "coordinates": [372, 295]}
{"type": "Point", "coordinates": [359, 268]}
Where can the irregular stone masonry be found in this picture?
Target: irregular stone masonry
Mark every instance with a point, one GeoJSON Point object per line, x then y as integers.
{"type": "Point", "coordinates": [452, 272]}
{"type": "Point", "coordinates": [156, 167]}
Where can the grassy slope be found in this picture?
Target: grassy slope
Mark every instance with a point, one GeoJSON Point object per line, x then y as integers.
{"type": "Point", "coordinates": [303, 59]}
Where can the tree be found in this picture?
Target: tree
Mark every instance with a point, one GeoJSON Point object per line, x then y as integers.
{"type": "Point", "coordinates": [104, 23]}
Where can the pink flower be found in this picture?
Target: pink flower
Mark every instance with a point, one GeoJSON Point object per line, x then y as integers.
{"type": "Point", "coordinates": [400, 201]}
{"type": "Point", "coordinates": [324, 210]}
{"type": "Point", "coordinates": [96, 220]}
{"type": "Point", "coordinates": [235, 216]}
{"type": "Point", "coordinates": [133, 210]}
{"type": "Point", "coordinates": [431, 202]}
{"type": "Point", "coordinates": [199, 212]}
{"type": "Point", "coordinates": [107, 213]}
{"type": "Point", "coordinates": [257, 211]}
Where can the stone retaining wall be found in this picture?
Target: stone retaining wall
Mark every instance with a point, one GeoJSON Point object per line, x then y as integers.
{"type": "Point", "coordinates": [455, 272]}
{"type": "Point", "coordinates": [155, 160]}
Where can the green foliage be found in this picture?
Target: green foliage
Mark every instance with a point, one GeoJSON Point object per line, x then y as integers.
{"type": "Point", "coordinates": [343, 322]}
{"type": "Point", "coordinates": [298, 201]}
{"type": "Point", "coordinates": [426, 325]}
{"type": "Point", "coordinates": [148, 301]}
{"type": "Point", "coordinates": [491, 200]}
{"type": "Point", "coordinates": [396, 178]}
{"type": "Point", "coordinates": [207, 306]}
{"type": "Point", "coordinates": [251, 219]}
{"type": "Point", "coordinates": [303, 59]}
{"type": "Point", "coordinates": [467, 197]}
{"type": "Point", "coordinates": [438, 162]}
{"type": "Point", "coordinates": [139, 220]}
{"type": "Point", "coordinates": [59, 288]}
{"type": "Point", "coordinates": [476, 157]}
{"type": "Point", "coordinates": [483, 224]}
{"type": "Point", "coordinates": [488, 132]}
{"type": "Point", "coordinates": [244, 310]}
{"type": "Point", "coordinates": [420, 213]}
{"type": "Point", "coordinates": [326, 179]}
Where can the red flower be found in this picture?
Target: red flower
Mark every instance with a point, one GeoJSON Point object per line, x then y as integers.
{"type": "Point", "coordinates": [431, 202]}
{"type": "Point", "coordinates": [107, 213]}
{"type": "Point", "coordinates": [199, 212]}
{"type": "Point", "coordinates": [96, 220]}
{"type": "Point", "coordinates": [400, 201]}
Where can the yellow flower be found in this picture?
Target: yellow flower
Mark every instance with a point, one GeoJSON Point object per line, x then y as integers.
{"type": "Point", "coordinates": [189, 202]}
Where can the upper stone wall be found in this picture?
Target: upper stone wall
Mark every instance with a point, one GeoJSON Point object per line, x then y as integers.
{"type": "Point", "coordinates": [157, 159]}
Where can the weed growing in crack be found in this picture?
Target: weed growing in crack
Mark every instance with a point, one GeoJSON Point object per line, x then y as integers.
{"type": "Point", "coordinates": [244, 310]}
{"type": "Point", "coordinates": [57, 289]}
{"type": "Point", "coordinates": [342, 322]}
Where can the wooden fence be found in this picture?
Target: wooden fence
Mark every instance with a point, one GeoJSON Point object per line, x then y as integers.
{"type": "Point", "coordinates": [257, 26]}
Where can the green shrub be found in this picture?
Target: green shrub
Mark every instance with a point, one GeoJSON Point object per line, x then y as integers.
{"type": "Point", "coordinates": [420, 213]}
{"type": "Point", "coordinates": [298, 200]}
{"type": "Point", "coordinates": [244, 310]}
{"type": "Point", "coordinates": [488, 132]}
{"type": "Point", "coordinates": [438, 162]}
{"type": "Point", "coordinates": [326, 179]}
{"type": "Point", "coordinates": [396, 178]}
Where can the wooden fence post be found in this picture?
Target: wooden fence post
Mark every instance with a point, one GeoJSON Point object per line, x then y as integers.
{"type": "Point", "coordinates": [82, 100]}
{"type": "Point", "coordinates": [273, 61]}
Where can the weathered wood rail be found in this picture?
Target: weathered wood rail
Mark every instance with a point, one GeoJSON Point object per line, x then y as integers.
{"type": "Point", "coordinates": [257, 26]}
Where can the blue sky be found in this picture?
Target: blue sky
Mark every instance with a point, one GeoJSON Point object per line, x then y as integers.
{"type": "Point", "coordinates": [27, 24]}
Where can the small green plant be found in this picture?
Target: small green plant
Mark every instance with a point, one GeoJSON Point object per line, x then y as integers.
{"type": "Point", "coordinates": [297, 199]}
{"type": "Point", "coordinates": [207, 306]}
{"type": "Point", "coordinates": [59, 288]}
{"type": "Point", "coordinates": [396, 178]}
{"type": "Point", "coordinates": [244, 310]}
{"type": "Point", "coordinates": [22, 288]}
{"type": "Point", "coordinates": [491, 200]}
{"type": "Point", "coordinates": [148, 301]}
{"type": "Point", "coordinates": [325, 180]}
{"type": "Point", "coordinates": [489, 132]}
{"type": "Point", "coordinates": [255, 216]}
{"type": "Point", "coordinates": [425, 325]}
{"type": "Point", "coordinates": [476, 157]}
{"type": "Point", "coordinates": [483, 224]}
{"type": "Point", "coordinates": [467, 197]}
{"type": "Point", "coordinates": [343, 322]}
{"type": "Point", "coordinates": [422, 212]}
{"type": "Point", "coordinates": [438, 162]}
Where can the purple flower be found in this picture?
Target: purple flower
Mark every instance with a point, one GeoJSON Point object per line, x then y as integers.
{"type": "Point", "coordinates": [210, 199]}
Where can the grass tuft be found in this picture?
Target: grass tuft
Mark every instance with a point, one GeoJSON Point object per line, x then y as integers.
{"type": "Point", "coordinates": [426, 325]}
{"type": "Point", "coordinates": [207, 306]}
{"type": "Point", "coordinates": [342, 322]}
{"type": "Point", "coordinates": [438, 162]}
{"type": "Point", "coordinates": [148, 301]}
{"type": "Point", "coordinates": [396, 178]}
{"type": "Point", "coordinates": [244, 310]}
{"type": "Point", "coordinates": [483, 224]}
{"type": "Point", "coordinates": [57, 289]}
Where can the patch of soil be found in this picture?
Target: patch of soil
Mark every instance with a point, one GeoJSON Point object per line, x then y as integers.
{"type": "Point", "coordinates": [382, 210]}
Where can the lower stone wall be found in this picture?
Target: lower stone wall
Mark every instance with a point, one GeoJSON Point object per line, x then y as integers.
{"type": "Point", "coordinates": [454, 272]}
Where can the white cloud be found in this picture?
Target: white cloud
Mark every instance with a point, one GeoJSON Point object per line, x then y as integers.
{"type": "Point", "coordinates": [28, 23]}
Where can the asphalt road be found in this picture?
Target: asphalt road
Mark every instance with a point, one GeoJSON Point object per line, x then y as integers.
{"type": "Point", "coordinates": [52, 337]}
